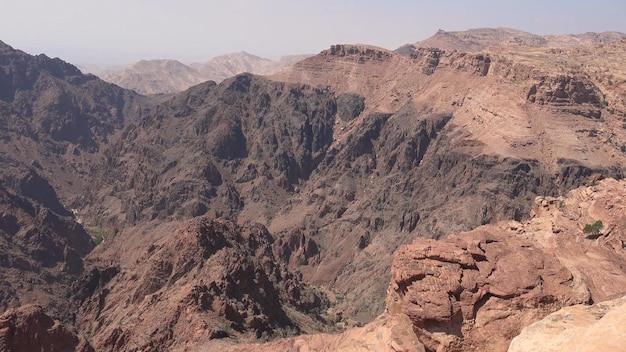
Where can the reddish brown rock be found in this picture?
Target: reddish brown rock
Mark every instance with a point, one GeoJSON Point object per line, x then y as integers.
{"type": "Point", "coordinates": [475, 291]}
{"type": "Point", "coordinates": [28, 328]}
{"type": "Point", "coordinates": [388, 333]}
{"type": "Point", "coordinates": [209, 280]}
{"type": "Point", "coordinates": [600, 327]}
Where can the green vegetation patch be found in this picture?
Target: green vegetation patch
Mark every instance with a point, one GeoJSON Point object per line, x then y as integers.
{"type": "Point", "coordinates": [593, 228]}
{"type": "Point", "coordinates": [98, 235]}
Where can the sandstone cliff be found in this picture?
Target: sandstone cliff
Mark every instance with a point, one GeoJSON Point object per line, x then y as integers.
{"type": "Point", "coordinates": [483, 38]}
{"type": "Point", "coordinates": [513, 124]}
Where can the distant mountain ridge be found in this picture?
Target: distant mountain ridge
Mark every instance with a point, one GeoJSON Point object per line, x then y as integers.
{"type": "Point", "coordinates": [482, 38]}
{"type": "Point", "coordinates": [171, 76]}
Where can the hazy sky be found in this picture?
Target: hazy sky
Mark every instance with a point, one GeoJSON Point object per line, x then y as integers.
{"type": "Point", "coordinates": [124, 31]}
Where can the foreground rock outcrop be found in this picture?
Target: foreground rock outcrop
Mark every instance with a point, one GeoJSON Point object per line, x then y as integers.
{"type": "Point", "coordinates": [600, 327]}
{"type": "Point", "coordinates": [390, 332]}
{"type": "Point", "coordinates": [475, 291]}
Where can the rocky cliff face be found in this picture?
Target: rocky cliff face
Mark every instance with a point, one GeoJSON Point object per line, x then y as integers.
{"type": "Point", "coordinates": [216, 149]}
{"type": "Point", "coordinates": [41, 253]}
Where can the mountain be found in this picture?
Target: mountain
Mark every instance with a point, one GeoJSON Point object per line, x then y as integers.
{"type": "Point", "coordinates": [267, 207]}
{"type": "Point", "coordinates": [155, 77]}
{"type": "Point", "coordinates": [170, 76]}
{"type": "Point", "coordinates": [364, 151]}
{"type": "Point", "coordinates": [54, 123]}
{"type": "Point", "coordinates": [448, 141]}
{"type": "Point", "coordinates": [222, 67]}
{"type": "Point", "coordinates": [482, 38]}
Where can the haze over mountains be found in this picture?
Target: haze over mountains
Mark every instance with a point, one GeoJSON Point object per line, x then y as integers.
{"type": "Point", "coordinates": [171, 76]}
{"type": "Point", "coordinates": [269, 207]}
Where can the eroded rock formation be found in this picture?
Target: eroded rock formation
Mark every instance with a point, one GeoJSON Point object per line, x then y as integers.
{"type": "Point", "coordinates": [477, 290]}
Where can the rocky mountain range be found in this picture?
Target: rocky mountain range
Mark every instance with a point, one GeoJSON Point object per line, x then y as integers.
{"type": "Point", "coordinates": [269, 207]}
{"type": "Point", "coordinates": [151, 77]}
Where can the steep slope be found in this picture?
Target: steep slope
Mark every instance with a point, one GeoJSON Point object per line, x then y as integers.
{"type": "Point", "coordinates": [514, 124]}
{"type": "Point", "coordinates": [41, 251]}
{"type": "Point", "coordinates": [202, 151]}
{"type": "Point", "coordinates": [54, 123]}
{"type": "Point", "coordinates": [56, 120]}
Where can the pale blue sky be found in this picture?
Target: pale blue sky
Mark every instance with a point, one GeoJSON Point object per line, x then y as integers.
{"type": "Point", "coordinates": [124, 31]}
